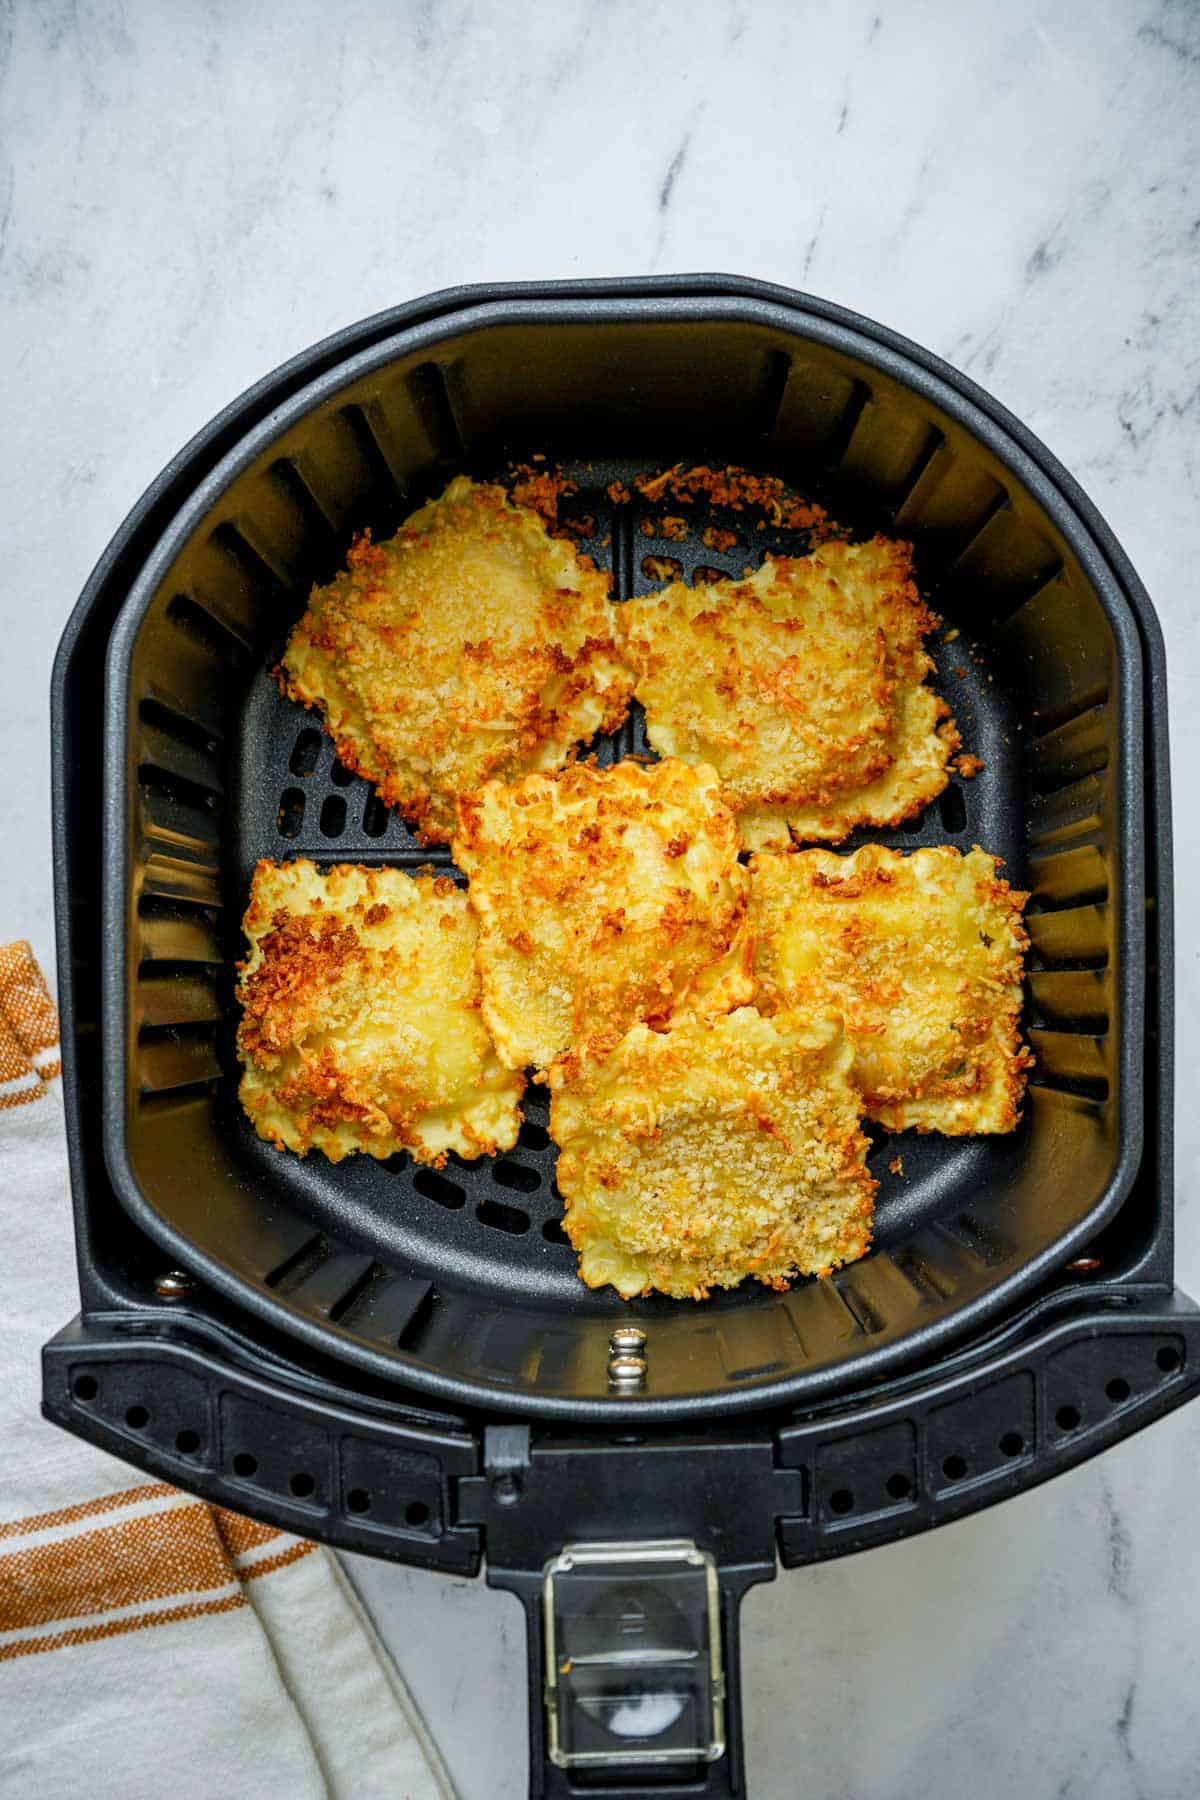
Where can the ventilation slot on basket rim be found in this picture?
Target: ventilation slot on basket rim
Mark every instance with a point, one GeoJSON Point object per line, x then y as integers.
{"type": "Point", "coordinates": [1073, 1062]}
{"type": "Point", "coordinates": [981, 1241]}
{"type": "Point", "coordinates": [300, 1263]}
{"type": "Point", "coordinates": [843, 431]}
{"type": "Point", "coordinates": [429, 386]}
{"type": "Point", "coordinates": [179, 788]}
{"type": "Point", "coordinates": [1075, 937]}
{"type": "Point", "coordinates": [999, 503]}
{"type": "Point", "coordinates": [1070, 812]}
{"type": "Point", "coordinates": [934, 443]}
{"type": "Point", "coordinates": [204, 627]}
{"type": "Point", "coordinates": [157, 971]}
{"type": "Point", "coordinates": [922, 1274]}
{"type": "Point", "coordinates": [286, 473]}
{"type": "Point", "coordinates": [171, 1061]}
{"type": "Point", "coordinates": [169, 1098]}
{"type": "Point", "coordinates": [193, 879]}
{"type": "Point", "coordinates": [176, 997]}
{"type": "Point", "coordinates": [365, 433]}
{"type": "Point", "coordinates": [173, 723]}
{"type": "Point", "coordinates": [174, 1031]}
{"type": "Point", "coordinates": [176, 933]}
{"type": "Point", "coordinates": [1070, 751]}
{"type": "Point", "coordinates": [776, 375]}
{"type": "Point", "coordinates": [1066, 879]}
{"type": "Point", "coordinates": [153, 905]}
{"type": "Point", "coordinates": [1071, 999]}
{"type": "Point", "coordinates": [418, 1321]}
{"type": "Point", "coordinates": [251, 562]}
{"type": "Point", "coordinates": [356, 1293]}
{"type": "Point", "coordinates": [888, 450]}
{"type": "Point", "coordinates": [865, 1317]}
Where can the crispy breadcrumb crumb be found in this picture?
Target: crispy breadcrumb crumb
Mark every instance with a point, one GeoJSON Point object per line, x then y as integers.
{"type": "Point", "coordinates": [738, 489]}
{"type": "Point", "coordinates": [539, 489]}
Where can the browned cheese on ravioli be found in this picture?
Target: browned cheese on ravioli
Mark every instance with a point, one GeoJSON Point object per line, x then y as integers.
{"type": "Point", "coordinates": [361, 1027]}
{"type": "Point", "coordinates": [716, 1150]}
{"type": "Point", "coordinates": [469, 646]}
{"type": "Point", "coordinates": [802, 685]}
{"type": "Point", "coordinates": [603, 896]}
{"type": "Point", "coordinates": [922, 956]}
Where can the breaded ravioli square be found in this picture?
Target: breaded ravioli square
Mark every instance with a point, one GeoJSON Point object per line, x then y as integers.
{"type": "Point", "coordinates": [469, 646]}
{"type": "Point", "coordinates": [922, 956]}
{"type": "Point", "coordinates": [603, 896]}
{"type": "Point", "coordinates": [360, 1026]}
{"type": "Point", "coordinates": [695, 1157]}
{"type": "Point", "coordinates": [802, 685]}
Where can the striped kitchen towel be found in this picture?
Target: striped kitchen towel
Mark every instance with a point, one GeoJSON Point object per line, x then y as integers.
{"type": "Point", "coordinates": [151, 1644]}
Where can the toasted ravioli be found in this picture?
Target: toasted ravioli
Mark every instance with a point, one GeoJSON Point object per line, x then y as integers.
{"type": "Point", "coordinates": [361, 1027]}
{"type": "Point", "coordinates": [802, 686]}
{"type": "Point", "coordinates": [922, 956]}
{"type": "Point", "coordinates": [692, 1158]}
{"type": "Point", "coordinates": [603, 896]}
{"type": "Point", "coordinates": [779, 681]}
{"type": "Point", "coordinates": [469, 646]}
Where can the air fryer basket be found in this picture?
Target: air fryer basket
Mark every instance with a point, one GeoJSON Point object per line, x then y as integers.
{"type": "Point", "coordinates": [460, 1283]}
{"type": "Point", "coordinates": [406, 1366]}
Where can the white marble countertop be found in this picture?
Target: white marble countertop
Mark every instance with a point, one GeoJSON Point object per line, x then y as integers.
{"type": "Point", "coordinates": [190, 193]}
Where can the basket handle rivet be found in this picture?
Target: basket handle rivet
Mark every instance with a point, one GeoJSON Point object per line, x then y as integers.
{"type": "Point", "coordinates": [173, 1284]}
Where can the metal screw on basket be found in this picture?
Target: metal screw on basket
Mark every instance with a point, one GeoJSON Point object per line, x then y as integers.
{"type": "Point", "coordinates": [173, 1284]}
{"type": "Point", "coordinates": [626, 1358]}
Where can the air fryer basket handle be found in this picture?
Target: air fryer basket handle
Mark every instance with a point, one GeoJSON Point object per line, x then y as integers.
{"type": "Point", "coordinates": [721, 1778]}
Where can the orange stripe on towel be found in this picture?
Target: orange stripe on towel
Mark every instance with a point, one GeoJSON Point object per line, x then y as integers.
{"type": "Point", "coordinates": [86, 1509]}
{"type": "Point", "coordinates": [119, 1563]}
{"type": "Point", "coordinates": [86, 1634]}
{"type": "Point", "coordinates": [28, 1009]}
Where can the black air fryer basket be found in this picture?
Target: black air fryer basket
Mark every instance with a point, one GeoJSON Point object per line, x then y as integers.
{"type": "Point", "coordinates": [403, 1362]}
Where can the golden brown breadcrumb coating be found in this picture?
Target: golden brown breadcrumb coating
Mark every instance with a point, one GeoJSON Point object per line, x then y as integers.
{"type": "Point", "coordinates": [695, 1157]}
{"type": "Point", "coordinates": [738, 489]}
{"type": "Point", "coordinates": [922, 957]}
{"type": "Point", "coordinates": [802, 685]}
{"type": "Point", "coordinates": [360, 1025]}
{"type": "Point", "coordinates": [603, 896]}
{"type": "Point", "coordinates": [471, 645]}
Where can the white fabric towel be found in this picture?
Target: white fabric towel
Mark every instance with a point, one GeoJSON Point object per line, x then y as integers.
{"type": "Point", "coordinates": [151, 1644]}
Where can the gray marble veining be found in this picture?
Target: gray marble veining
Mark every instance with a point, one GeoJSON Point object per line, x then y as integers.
{"type": "Point", "coordinates": [189, 193]}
